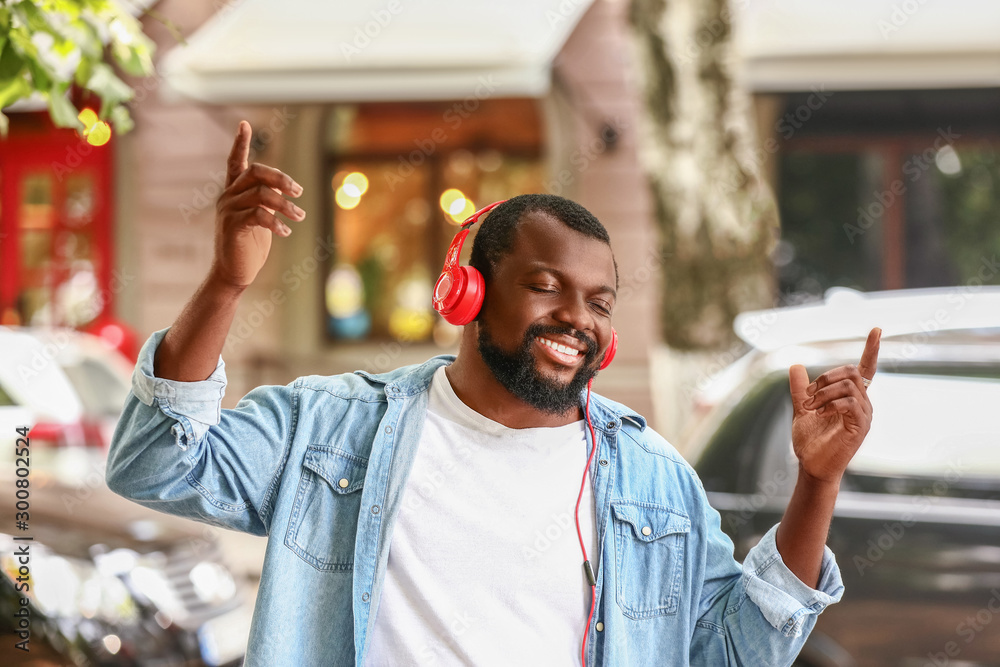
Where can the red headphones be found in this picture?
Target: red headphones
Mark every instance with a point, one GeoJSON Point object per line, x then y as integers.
{"type": "Point", "coordinates": [459, 290]}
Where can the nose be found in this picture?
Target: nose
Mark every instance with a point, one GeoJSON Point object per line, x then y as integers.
{"type": "Point", "coordinates": [574, 312]}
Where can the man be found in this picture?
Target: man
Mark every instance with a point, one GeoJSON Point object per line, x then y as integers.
{"type": "Point", "coordinates": [425, 515]}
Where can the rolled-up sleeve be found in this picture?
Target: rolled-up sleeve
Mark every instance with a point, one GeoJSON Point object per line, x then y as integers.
{"type": "Point", "coordinates": [783, 598]}
{"type": "Point", "coordinates": [196, 406]}
{"type": "Point", "coordinates": [177, 451]}
{"type": "Point", "coordinates": [757, 612]}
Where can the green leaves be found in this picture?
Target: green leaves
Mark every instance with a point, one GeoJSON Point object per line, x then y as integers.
{"type": "Point", "coordinates": [48, 45]}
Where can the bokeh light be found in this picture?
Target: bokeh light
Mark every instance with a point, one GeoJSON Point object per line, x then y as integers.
{"type": "Point", "coordinates": [348, 194]}
{"type": "Point", "coordinates": [95, 130]}
{"type": "Point", "coordinates": [346, 200]}
{"type": "Point", "coordinates": [458, 207]}
{"type": "Point", "coordinates": [358, 181]}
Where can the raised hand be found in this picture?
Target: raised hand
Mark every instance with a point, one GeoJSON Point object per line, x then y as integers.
{"type": "Point", "coordinates": [245, 214]}
{"type": "Point", "coordinates": [832, 415]}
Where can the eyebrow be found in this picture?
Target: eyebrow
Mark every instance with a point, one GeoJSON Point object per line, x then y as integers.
{"type": "Point", "coordinates": [540, 268]}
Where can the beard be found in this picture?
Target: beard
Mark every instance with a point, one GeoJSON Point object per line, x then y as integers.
{"type": "Point", "coordinates": [517, 371]}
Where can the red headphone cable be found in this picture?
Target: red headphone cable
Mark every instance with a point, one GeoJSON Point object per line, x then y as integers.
{"type": "Point", "coordinates": [588, 570]}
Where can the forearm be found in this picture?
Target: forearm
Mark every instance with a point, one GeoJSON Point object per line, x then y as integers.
{"type": "Point", "coordinates": [802, 534]}
{"type": "Point", "coordinates": [190, 350]}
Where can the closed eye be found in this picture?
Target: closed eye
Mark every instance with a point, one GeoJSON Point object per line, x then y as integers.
{"type": "Point", "coordinates": [604, 309]}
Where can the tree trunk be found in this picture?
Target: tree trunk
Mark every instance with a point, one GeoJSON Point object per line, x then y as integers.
{"type": "Point", "coordinates": [717, 216]}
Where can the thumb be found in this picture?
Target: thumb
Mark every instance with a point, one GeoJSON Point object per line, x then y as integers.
{"type": "Point", "coordinates": [798, 380]}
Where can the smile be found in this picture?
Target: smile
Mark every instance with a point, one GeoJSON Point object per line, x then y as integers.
{"type": "Point", "coordinates": [561, 353]}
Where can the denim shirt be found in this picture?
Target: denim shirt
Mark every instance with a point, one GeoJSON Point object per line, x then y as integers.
{"type": "Point", "coordinates": [319, 466]}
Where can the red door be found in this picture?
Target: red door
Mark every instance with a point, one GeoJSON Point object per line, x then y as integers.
{"type": "Point", "coordinates": [55, 225]}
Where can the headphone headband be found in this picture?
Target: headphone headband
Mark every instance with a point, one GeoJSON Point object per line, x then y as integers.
{"type": "Point", "coordinates": [474, 218]}
{"type": "Point", "coordinates": [455, 249]}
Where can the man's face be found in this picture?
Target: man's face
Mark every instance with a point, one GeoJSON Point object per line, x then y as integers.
{"type": "Point", "coordinates": [556, 286]}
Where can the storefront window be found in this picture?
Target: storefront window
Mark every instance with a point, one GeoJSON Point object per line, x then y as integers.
{"type": "Point", "coordinates": [835, 209]}
{"type": "Point", "coordinates": [885, 190]}
{"type": "Point", "coordinates": [392, 217]}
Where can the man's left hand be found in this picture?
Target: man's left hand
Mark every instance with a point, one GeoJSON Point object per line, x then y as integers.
{"type": "Point", "coordinates": [832, 415]}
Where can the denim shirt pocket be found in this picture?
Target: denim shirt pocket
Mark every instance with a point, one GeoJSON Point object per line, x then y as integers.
{"type": "Point", "coordinates": [324, 522]}
{"type": "Point", "coordinates": [650, 541]}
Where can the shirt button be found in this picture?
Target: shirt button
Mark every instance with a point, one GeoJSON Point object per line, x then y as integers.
{"type": "Point", "coordinates": [388, 429]}
{"type": "Point", "coordinates": [343, 483]}
{"type": "Point", "coordinates": [375, 509]}
{"type": "Point", "coordinates": [604, 462]}
{"type": "Point", "coordinates": [364, 597]}
{"type": "Point", "coordinates": [600, 626]}
{"type": "Point", "coordinates": [646, 530]}
{"type": "Point", "coordinates": [611, 424]}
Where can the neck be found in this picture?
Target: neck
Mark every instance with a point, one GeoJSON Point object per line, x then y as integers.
{"type": "Point", "coordinates": [477, 387]}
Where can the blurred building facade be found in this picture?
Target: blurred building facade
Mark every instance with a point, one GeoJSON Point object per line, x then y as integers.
{"type": "Point", "coordinates": [877, 127]}
{"type": "Point", "coordinates": [398, 121]}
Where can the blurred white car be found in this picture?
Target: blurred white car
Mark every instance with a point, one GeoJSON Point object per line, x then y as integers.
{"type": "Point", "coordinates": [914, 528]}
{"type": "Point", "coordinates": [68, 387]}
{"type": "Point", "coordinates": [837, 327]}
{"type": "Point", "coordinates": [101, 376]}
{"type": "Point", "coordinates": [120, 582]}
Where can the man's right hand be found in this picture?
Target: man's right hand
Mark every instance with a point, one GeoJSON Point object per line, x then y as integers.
{"type": "Point", "coordinates": [245, 214]}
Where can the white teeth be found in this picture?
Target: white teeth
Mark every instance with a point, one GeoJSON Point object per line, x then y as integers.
{"type": "Point", "coordinates": [556, 346]}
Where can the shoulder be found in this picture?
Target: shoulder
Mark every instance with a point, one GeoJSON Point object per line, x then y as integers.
{"type": "Point", "coordinates": [362, 385]}
{"type": "Point", "coordinates": [640, 443]}
{"type": "Point", "coordinates": [635, 429]}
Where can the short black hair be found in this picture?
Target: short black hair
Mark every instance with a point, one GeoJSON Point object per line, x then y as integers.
{"type": "Point", "coordinates": [495, 237]}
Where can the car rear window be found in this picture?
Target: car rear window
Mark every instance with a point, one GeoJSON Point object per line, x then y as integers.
{"type": "Point", "coordinates": [930, 425]}
{"type": "Point", "coordinates": [100, 390]}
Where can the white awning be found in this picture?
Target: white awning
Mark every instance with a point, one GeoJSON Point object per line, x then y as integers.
{"type": "Point", "coordinates": [267, 51]}
{"type": "Point", "coordinates": [789, 45]}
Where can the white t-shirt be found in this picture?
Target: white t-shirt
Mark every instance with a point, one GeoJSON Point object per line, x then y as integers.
{"type": "Point", "coordinates": [485, 566]}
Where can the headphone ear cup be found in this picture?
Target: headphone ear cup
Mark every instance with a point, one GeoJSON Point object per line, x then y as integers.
{"type": "Point", "coordinates": [469, 298]}
{"type": "Point", "coordinates": [610, 354]}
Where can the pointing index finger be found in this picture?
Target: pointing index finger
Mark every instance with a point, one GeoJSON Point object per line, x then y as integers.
{"type": "Point", "coordinates": [239, 154]}
{"type": "Point", "coordinates": [869, 358]}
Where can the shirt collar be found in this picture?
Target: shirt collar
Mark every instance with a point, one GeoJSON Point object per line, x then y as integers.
{"type": "Point", "coordinates": [605, 414]}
